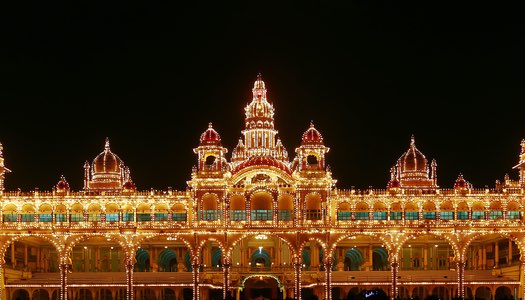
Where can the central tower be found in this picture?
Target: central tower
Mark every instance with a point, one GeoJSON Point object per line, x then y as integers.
{"type": "Point", "coordinates": [259, 133]}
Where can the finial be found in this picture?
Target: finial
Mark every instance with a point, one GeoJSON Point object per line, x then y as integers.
{"type": "Point", "coordinates": [210, 125]}
{"type": "Point", "coordinates": [412, 141]}
{"type": "Point", "coordinates": [107, 144]}
{"type": "Point", "coordinates": [259, 76]}
{"type": "Point", "coordinates": [311, 123]}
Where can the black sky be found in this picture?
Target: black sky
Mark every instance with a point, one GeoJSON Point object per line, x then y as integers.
{"type": "Point", "coordinates": [369, 74]}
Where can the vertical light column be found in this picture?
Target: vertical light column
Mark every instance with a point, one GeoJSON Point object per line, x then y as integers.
{"type": "Point", "coordinates": [226, 267]}
{"type": "Point", "coordinates": [394, 268]}
{"type": "Point", "coordinates": [522, 280]}
{"type": "Point", "coordinates": [64, 269]}
{"type": "Point", "coordinates": [297, 269]}
{"type": "Point", "coordinates": [2, 286]}
{"type": "Point", "coordinates": [130, 262]}
{"type": "Point", "coordinates": [195, 274]}
{"type": "Point", "coordinates": [329, 262]}
{"type": "Point", "coordinates": [460, 267]}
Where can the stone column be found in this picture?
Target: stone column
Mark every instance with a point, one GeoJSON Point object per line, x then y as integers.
{"type": "Point", "coordinates": [297, 275]}
{"type": "Point", "coordinates": [460, 267]}
{"type": "Point", "coordinates": [64, 269]}
{"type": "Point", "coordinates": [195, 273]}
{"type": "Point", "coordinates": [509, 257]}
{"type": "Point", "coordinates": [13, 257]}
{"type": "Point", "coordinates": [394, 265]}
{"type": "Point", "coordinates": [522, 280]}
{"type": "Point", "coordinates": [496, 254]}
{"type": "Point", "coordinates": [226, 267]}
{"type": "Point", "coordinates": [129, 264]}
{"type": "Point", "coordinates": [25, 256]}
{"type": "Point", "coordinates": [2, 287]}
{"type": "Point", "coordinates": [329, 262]}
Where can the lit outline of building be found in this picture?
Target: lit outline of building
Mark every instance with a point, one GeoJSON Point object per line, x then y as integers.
{"type": "Point", "coordinates": [260, 197]}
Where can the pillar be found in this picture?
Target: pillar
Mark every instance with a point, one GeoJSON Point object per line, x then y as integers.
{"type": "Point", "coordinates": [25, 256]}
{"type": "Point", "coordinates": [226, 266]}
{"type": "Point", "coordinates": [297, 275]}
{"type": "Point", "coordinates": [496, 254]}
{"type": "Point", "coordinates": [2, 287]}
{"type": "Point", "coordinates": [522, 280]}
{"type": "Point", "coordinates": [314, 256]}
{"type": "Point", "coordinates": [484, 258]}
{"type": "Point", "coordinates": [425, 257]}
{"type": "Point", "coordinates": [509, 257]}
{"type": "Point", "coordinates": [64, 269]}
{"type": "Point", "coordinates": [394, 265]}
{"type": "Point", "coordinates": [13, 257]}
{"type": "Point", "coordinates": [329, 262]}
{"type": "Point", "coordinates": [238, 294]}
{"type": "Point", "coordinates": [460, 267]}
{"type": "Point", "coordinates": [129, 264]}
{"type": "Point", "coordinates": [195, 275]}
{"type": "Point", "coordinates": [97, 259]}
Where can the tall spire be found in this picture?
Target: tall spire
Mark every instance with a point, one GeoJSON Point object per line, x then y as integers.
{"type": "Point", "coordinates": [259, 133]}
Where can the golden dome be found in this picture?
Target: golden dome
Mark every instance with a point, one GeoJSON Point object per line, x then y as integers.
{"type": "Point", "coordinates": [413, 160]}
{"type": "Point", "coordinates": [107, 161]}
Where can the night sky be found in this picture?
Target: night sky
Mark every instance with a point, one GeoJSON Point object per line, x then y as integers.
{"type": "Point", "coordinates": [369, 74]}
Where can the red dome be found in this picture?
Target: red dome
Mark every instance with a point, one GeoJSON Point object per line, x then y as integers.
{"type": "Point", "coordinates": [62, 184]}
{"type": "Point", "coordinates": [210, 137]}
{"type": "Point", "coordinates": [129, 185]}
{"type": "Point", "coordinates": [262, 161]}
{"type": "Point", "coordinates": [394, 183]}
{"type": "Point", "coordinates": [312, 136]}
{"type": "Point", "coordinates": [460, 183]}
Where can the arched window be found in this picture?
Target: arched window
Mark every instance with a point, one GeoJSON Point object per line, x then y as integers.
{"type": "Point", "coordinates": [210, 210]}
{"type": "Point", "coordinates": [285, 208]}
{"type": "Point", "coordinates": [261, 206]}
{"type": "Point", "coordinates": [343, 212]}
{"type": "Point", "coordinates": [313, 207]}
{"type": "Point", "coordinates": [237, 208]}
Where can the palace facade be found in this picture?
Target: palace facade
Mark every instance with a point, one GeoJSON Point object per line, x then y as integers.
{"type": "Point", "coordinates": [263, 223]}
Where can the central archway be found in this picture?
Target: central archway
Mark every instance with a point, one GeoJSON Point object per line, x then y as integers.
{"type": "Point", "coordinates": [261, 286]}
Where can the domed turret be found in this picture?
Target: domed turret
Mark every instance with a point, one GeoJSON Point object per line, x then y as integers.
{"type": "Point", "coordinates": [312, 136]}
{"type": "Point", "coordinates": [412, 169]}
{"type": "Point", "coordinates": [210, 153]}
{"type": "Point", "coordinates": [106, 173]}
{"type": "Point", "coordinates": [129, 186]}
{"type": "Point", "coordinates": [311, 153]}
{"type": "Point", "coordinates": [62, 186]}
{"type": "Point", "coordinates": [210, 137]}
{"type": "Point", "coordinates": [461, 183]}
{"type": "Point", "coordinates": [107, 161]}
{"type": "Point", "coordinates": [413, 161]}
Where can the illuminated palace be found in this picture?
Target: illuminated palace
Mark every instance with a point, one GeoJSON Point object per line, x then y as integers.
{"type": "Point", "coordinates": [261, 223]}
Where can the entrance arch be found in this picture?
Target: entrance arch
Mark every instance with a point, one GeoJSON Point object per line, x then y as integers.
{"type": "Point", "coordinates": [265, 286]}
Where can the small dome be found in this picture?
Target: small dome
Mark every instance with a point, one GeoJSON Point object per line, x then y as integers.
{"type": "Point", "coordinates": [460, 183]}
{"type": "Point", "coordinates": [394, 183]}
{"type": "Point", "coordinates": [413, 159]}
{"type": "Point", "coordinates": [262, 161]}
{"type": "Point", "coordinates": [107, 161]}
{"type": "Point", "coordinates": [129, 186]}
{"type": "Point", "coordinates": [210, 136]}
{"type": "Point", "coordinates": [312, 136]}
{"type": "Point", "coordinates": [62, 184]}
